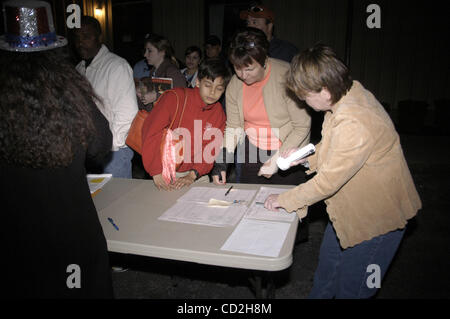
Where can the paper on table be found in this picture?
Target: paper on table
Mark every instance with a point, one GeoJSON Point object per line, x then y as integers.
{"type": "Point", "coordinates": [195, 213]}
{"type": "Point", "coordinates": [216, 202]}
{"type": "Point", "coordinates": [204, 194]}
{"type": "Point", "coordinates": [97, 181]}
{"type": "Point", "coordinates": [257, 237]}
{"type": "Point", "coordinates": [257, 210]}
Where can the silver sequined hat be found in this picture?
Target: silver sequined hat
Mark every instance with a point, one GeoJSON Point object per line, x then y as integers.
{"type": "Point", "coordinates": [29, 27]}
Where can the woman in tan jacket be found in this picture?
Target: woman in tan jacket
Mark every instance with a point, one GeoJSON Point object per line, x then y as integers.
{"type": "Point", "coordinates": [361, 174]}
{"type": "Point", "coordinates": [261, 117]}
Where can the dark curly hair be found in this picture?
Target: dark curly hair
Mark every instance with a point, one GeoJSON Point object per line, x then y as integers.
{"type": "Point", "coordinates": [45, 109]}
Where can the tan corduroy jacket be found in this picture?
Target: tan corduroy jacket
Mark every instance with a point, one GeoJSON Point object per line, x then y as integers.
{"type": "Point", "coordinates": [361, 172]}
{"type": "Point", "coordinates": [285, 113]}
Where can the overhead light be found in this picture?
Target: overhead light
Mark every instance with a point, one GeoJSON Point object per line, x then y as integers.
{"type": "Point", "coordinates": [98, 12]}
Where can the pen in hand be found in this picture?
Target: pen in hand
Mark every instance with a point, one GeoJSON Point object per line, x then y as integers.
{"type": "Point", "coordinates": [229, 189]}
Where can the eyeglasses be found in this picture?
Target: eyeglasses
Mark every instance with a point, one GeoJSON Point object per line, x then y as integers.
{"type": "Point", "coordinates": [255, 9]}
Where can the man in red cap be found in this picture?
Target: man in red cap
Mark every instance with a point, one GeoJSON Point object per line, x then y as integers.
{"type": "Point", "coordinates": [261, 17]}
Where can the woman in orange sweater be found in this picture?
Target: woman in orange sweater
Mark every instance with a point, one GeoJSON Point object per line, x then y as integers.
{"type": "Point", "coordinates": [262, 119]}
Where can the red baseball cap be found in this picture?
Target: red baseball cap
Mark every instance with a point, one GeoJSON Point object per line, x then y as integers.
{"type": "Point", "coordinates": [258, 12]}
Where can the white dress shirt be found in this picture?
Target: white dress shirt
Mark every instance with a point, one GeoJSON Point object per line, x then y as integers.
{"type": "Point", "coordinates": [112, 79]}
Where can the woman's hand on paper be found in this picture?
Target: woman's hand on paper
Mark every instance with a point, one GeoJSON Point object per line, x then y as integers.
{"type": "Point", "coordinates": [271, 202]}
{"type": "Point", "coordinates": [216, 178]}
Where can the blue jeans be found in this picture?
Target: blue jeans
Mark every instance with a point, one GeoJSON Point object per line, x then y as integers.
{"type": "Point", "coordinates": [119, 164]}
{"type": "Point", "coordinates": [344, 273]}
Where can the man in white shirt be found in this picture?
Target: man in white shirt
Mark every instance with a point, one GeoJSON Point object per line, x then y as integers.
{"type": "Point", "coordinates": [112, 79]}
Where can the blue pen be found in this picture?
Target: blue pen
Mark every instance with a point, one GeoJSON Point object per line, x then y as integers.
{"type": "Point", "coordinates": [112, 223]}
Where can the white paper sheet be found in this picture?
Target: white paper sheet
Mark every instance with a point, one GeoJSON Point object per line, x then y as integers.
{"type": "Point", "coordinates": [204, 194]}
{"type": "Point", "coordinates": [197, 213]}
{"type": "Point", "coordinates": [257, 210]}
{"type": "Point", "coordinates": [97, 181]}
{"type": "Point", "coordinates": [257, 237]}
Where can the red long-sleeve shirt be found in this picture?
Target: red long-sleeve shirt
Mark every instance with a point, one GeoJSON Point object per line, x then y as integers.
{"type": "Point", "coordinates": [202, 126]}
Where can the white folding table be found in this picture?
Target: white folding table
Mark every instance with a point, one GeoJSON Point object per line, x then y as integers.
{"type": "Point", "coordinates": [135, 205]}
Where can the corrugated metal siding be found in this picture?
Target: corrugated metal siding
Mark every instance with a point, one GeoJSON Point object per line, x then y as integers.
{"type": "Point", "coordinates": [407, 59]}
{"type": "Point", "coordinates": [182, 22]}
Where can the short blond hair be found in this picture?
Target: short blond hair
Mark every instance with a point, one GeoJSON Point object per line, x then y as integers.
{"type": "Point", "coordinates": [316, 68]}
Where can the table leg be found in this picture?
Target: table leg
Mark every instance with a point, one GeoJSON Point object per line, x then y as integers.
{"type": "Point", "coordinates": [262, 284]}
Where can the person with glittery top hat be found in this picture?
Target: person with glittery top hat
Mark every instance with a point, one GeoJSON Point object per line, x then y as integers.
{"type": "Point", "coordinates": [53, 244]}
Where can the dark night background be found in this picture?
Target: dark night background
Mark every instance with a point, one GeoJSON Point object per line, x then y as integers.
{"type": "Point", "coordinates": [405, 64]}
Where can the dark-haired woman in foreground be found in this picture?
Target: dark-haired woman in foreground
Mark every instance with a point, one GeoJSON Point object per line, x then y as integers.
{"type": "Point", "coordinates": [53, 244]}
{"type": "Point", "coordinates": [361, 174]}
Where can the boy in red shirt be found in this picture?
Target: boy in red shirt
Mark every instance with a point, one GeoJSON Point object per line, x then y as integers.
{"type": "Point", "coordinates": [202, 125]}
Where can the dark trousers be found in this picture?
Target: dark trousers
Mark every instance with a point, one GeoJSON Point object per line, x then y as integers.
{"type": "Point", "coordinates": [248, 167]}
{"type": "Point", "coordinates": [352, 273]}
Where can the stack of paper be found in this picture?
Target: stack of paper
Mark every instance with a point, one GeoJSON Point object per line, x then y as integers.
{"type": "Point", "coordinates": [194, 207]}
{"type": "Point", "coordinates": [201, 214]}
{"type": "Point", "coordinates": [97, 181]}
{"type": "Point", "coordinates": [204, 194]}
{"type": "Point", "coordinates": [261, 232]}
{"type": "Point", "coordinates": [257, 210]}
{"type": "Point", "coordinates": [257, 237]}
